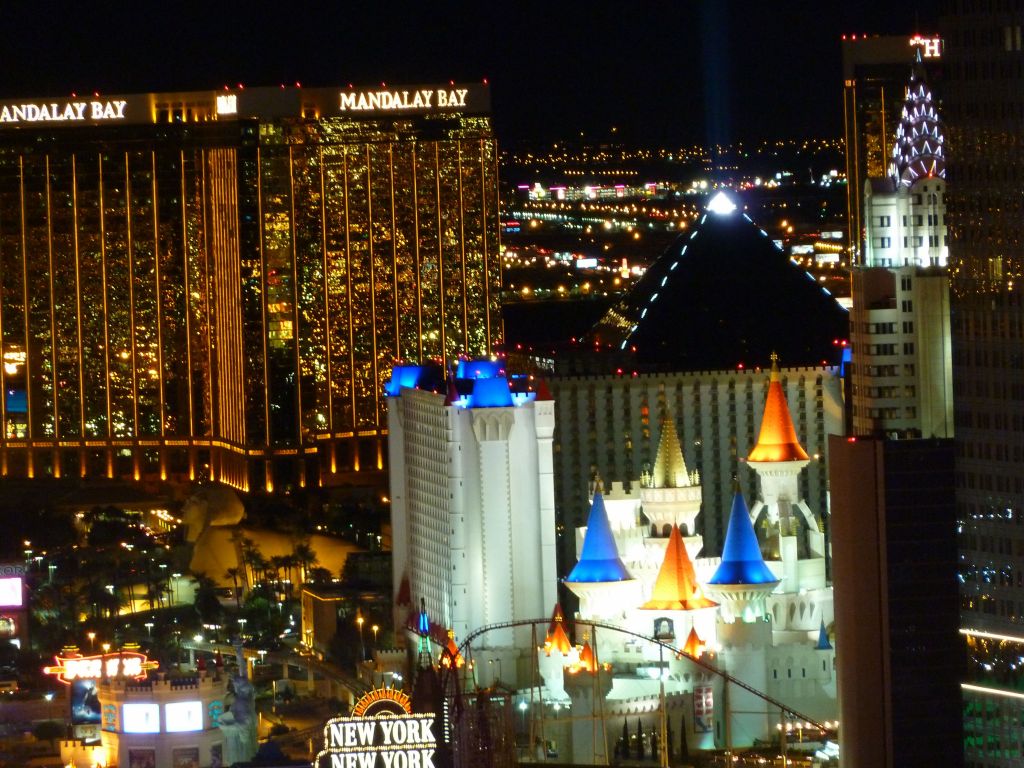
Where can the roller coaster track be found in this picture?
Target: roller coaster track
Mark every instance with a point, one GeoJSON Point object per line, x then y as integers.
{"type": "Point", "coordinates": [465, 649]}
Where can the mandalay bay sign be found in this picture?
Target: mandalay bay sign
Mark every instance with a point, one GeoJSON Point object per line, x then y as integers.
{"type": "Point", "coordinates": [382, 732]}
{"type": "Point", "coordinates": [59, 112]}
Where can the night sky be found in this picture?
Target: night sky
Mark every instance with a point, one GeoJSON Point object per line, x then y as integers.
{"type": "Point", "coordinates": [662, 73]}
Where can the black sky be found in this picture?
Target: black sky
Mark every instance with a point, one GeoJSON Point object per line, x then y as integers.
{"type": "Point", "coordinates": [662, 72]}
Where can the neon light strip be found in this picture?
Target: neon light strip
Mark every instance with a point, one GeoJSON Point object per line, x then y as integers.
{"type": "Point", "coordinates": [992, 635]}
{"type": "Point", "coordinates": [991, 691]}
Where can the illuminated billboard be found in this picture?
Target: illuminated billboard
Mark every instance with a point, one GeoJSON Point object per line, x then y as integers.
{"type": "Point", "coordinates": [85, 702]}
{"type": "Point", "coordinates": [140, 718]}
{"type": "Point", "coordinates": [382, 731]}
{"type": "Point", "coordinates": [12, 593]}
{"type": "Point", "coordinates": [183, 716]}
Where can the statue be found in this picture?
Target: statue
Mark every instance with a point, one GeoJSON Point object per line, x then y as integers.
{"type": "Point", "coordinates": [239, 723]}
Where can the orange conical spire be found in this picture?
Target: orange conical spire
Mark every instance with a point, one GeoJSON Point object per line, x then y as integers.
{"type": "Point", "coordinates": [587, 660]}
{"type": "Point", "coordinates": [556, 639]}
{"type": "Point", "coordinates": [777, 441]}
{"type": "Point", "coordinates": [676, 588]}
{"type": "Point", "coordinates": [452, 656]}
{"type": "Point", "coordinates": [557, 616]}
{"type": "Point", "coordinates": [694, 645]}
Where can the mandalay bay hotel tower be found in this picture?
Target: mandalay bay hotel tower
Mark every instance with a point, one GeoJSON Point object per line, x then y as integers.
{"type": "Point", "coordinates": [217, 284]}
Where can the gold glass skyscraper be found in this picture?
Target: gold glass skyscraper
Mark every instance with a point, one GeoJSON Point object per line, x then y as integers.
{"type": "Point", "coordinates": [216, 284]}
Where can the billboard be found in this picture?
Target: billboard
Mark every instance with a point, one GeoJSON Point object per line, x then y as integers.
{"type": "Point", "coordinates": [140, 718]}
{"type": "Point", "coordinates": [85, 702]}
{"type": "Point", "coordinates": [703, 709]}
{"type": "Point", "coordinates": [183, 716]}
{"type": "Point", "coordinates": [12, 585]}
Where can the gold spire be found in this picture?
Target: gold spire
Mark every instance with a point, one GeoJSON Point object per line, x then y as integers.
{"type": "Point", "coordinates": [669, 465]}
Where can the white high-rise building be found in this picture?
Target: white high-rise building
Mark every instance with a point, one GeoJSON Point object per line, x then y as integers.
{"type": "Point", "coordinates": [472, 502]}
{"type": "Point", "coordinates": [899, 325]}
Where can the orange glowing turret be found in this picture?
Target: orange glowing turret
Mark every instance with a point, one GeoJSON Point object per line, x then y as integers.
{"type": "Point", "coordinates": [451, 656]}
{"type": "Point", "coordinates": [676, 588]}
{"type": "Point", "coordinates": [587, 660]}
{"type": "Point", "coordinates": [556, 639]}
{"type": "Point", "coordinates": [777, 441]}
{"type": "Point", "coordinates": [694, 645]}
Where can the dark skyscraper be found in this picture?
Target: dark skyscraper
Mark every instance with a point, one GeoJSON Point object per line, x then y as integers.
{"type": "Point", "coordinates": [898, 655]}
{"type": "Point", "coordinates": [984, 68]}
{"type": "Point", "coordinates": [218, 283]}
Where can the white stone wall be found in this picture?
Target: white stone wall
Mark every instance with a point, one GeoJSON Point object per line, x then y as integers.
{"type": "Point", "coordinates": [611, 424]}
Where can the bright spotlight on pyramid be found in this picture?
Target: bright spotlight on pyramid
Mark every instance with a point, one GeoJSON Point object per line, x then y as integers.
{"type": "Point", "coordinates": [721, 204]}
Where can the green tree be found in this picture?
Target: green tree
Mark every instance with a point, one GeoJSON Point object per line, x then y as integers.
{"type": "Point", "coordinates": [206, 603]}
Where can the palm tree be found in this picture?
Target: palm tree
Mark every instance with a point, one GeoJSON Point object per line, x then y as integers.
{"type": "Point", "coordinates": [233, 574]}
{"type": "Point", "coordinates": [258, 564]}
{"type": "Point", "coordinates": [305, 558]}
{"type": "Point", "coordinates": [275, 564]}
{"type": "Point", "coordinates": [291, 562]}
{"type": "Point", "coordinates": [251, 557]}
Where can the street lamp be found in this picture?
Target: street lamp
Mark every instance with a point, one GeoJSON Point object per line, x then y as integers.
{"type": "Point", "coordinates": [375, 628]}
{"type": "Point", "coordinates": [92, 641]}
{"type": "Point", "coordinates": [362, 647]}
{"type": "Point", "coordinates": [106, 647]}
{"type": "Point", "coordinates": [149, 629]}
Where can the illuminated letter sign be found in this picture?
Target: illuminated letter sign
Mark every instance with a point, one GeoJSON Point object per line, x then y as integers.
{"type": "Point", "coordinates": [59, 112]}
{"type": "Point", "coordinates": [382, 733]}
{"type": "Point", "coordinates": [123, 664]}
{"type": "Point", "coordinates": [422, 99]}
{"type": "Point", "coordinates": [931, 47]}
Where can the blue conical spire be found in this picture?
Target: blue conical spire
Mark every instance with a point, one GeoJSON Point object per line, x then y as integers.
{"type": "Point", "coordinates": [741, 556]}
{"type": "Point", "coordinates": [823, 643]}
{"type": "Point", "coordinates": [599, 560]}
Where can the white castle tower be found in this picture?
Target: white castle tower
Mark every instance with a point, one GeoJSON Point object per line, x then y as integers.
{"type": "Point", "coordinates": [472, 503]}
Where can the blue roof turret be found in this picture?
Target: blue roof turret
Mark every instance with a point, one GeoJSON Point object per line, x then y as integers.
{"type": "Point", "coordinates": [823, 643]}
{"type": "Point", "coordinates": [742, 562]}
{"type": "Point", "coordinates": [599, 561]}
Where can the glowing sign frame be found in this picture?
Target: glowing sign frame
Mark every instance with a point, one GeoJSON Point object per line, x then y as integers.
{"type": "Point", "coordinates": [123, 664]}
{"type": "Point", "coordinates": [381, 701]}
{"type": "Point", "coordinates": [382, 725]}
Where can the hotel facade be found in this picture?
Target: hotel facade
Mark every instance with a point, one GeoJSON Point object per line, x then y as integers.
{"type": "Point", "coordinates": [216, 284]}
